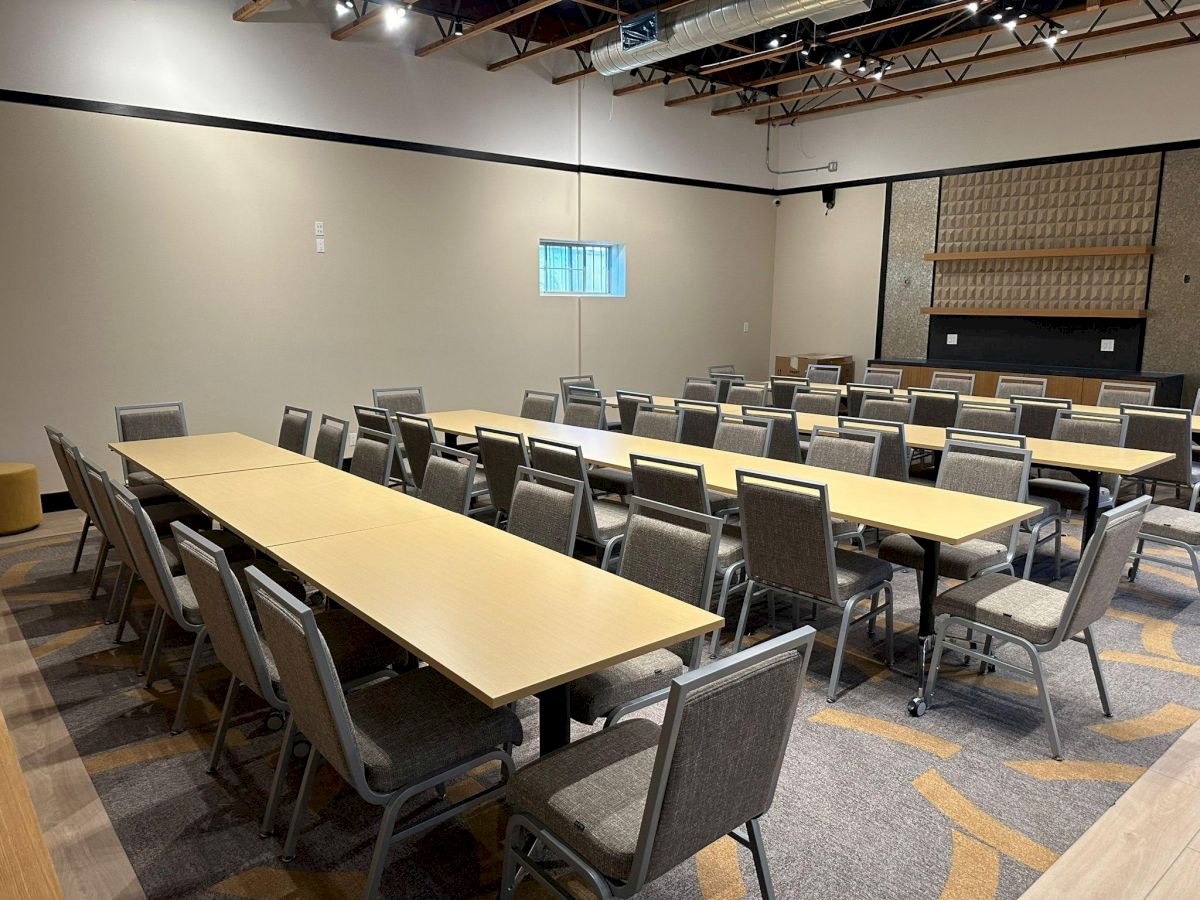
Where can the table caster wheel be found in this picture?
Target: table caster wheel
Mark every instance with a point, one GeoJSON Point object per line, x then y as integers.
{"type": "Point", "coordinates": [916, 707]}
{"type": "Point", "coordinates": [301, 748]}
{"type": "Point", "coordinates": [274, 721]}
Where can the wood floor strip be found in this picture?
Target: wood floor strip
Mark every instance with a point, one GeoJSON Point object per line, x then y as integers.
{"type": "Point", "coordinates": [26, 872]}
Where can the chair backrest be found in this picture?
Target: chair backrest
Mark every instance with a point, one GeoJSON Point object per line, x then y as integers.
{"type": "Point", "coordinates": [502, 454]}
{"type": "Point", "coordinates": [671, 482]}
{"type": "Point", "coordinates": [1020, 386]}
{"type": "Point", "coordinates": [376, 418]}
{"type": "Point", "coordinates": [722, 369]}
{"type": "Point", "coordinates": [817, 401]}
{"type": "Point", "coordinates": [782, 388]}
{"type": "Point", "coordinates": [747, 394]}
{"type": "Point", "coordinates": [663, 423]}
{"type": "Point", "coordinates": [700, 389]}
{"type": "Point", "coordinates": [1004, 439]}
{"type": "Point", "coordinates": [987, 469]}
{"type": "Point", "coordinates": [785, 431]}
{"type": "Point", "coordinates": [566, 460]}
{"type": "Point", "coordinates": [844, 449]}
{"type": "Point", "coordinates": [584, 409]}
{"type": "Point", "coordinates": [401, 399]}
{"type": "Point", "coordinates": [743, 434]}
{"type": "Point", "coordinates": [373, 452]}
{"type": "Point", "coordinates": [897, 408]}
{"type": "Point", "coordinates": [417, 436]}
{"type": "Point", "coordinates": [963, 382]}
{"type": "Point", "coordinates": [146, 551]}
{"type": "Point", "coordinates": [856, 393]}
{"type": "Point", "coordinates": [627, 408]}
{"type": "Point", "coordinates": [568, 381]}
{"type": "Point", "coordinates": [99, 498]}
{"type": "Point", "coordinates": [700, 419]}
{"type": "Point", "coordinates": [725, 381]}
{"type": "Point", "coordinates": [1196, 404]}
{"type": "Point", "coordinates": [1166, 429]}
{"type": "Point", "coordinates": [747, 701]}
{"type": "Point", "coordinates": [934, 407]}
{"type": "Point", "coordinates": [1101, 566]}
{"type": "Point", "coordinates": [539, 405]}
{"type": "Point", "coordinates": [295, 428]}
{"type": "Point", "coordinates": [225, 612]}
{"type": "Point", "coordinates": [1002, 418]}
{"type": "Point", "coordinates": [308, 677]}
{"type": "Point", "coordinates": [545, 508]}
{"type": "Point", "coordinates": [1038, 413]}
{"type": "Point", "coordinates": [1107, 429]}
{"type": "Point", "coordinates": [1119, 393]}
{"type": "Point", "coordinates": [894, 459]}
{"type": "Point", "coordinates": [333, 435]}
{"type": "Point", "coordinates": [147, 421]}
{"type": "Point", "coordinates": [819, 374]}
{"type": "Point", "coordinates": [884, 375]}
{"type": "Point", "coordinates": [70, 472]}
{"type": "Point", "coordinates": [448, 478]}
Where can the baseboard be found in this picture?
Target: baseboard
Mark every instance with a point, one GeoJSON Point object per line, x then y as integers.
{"type": "Point", "coordinates": [57, 502]}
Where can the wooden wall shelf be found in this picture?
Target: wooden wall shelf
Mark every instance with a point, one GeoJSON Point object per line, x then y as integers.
{"type": "Point", "coordinates": [1133, 250]}
{"type": "Point", "coordinates": [1033, 311]}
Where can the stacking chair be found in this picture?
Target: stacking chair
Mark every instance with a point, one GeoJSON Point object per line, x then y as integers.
{"type": "Point", "coordinates": [502, 454]}
{"type": "Point", "coordinates": [569, 381]}
{"type": "Point", "coordinates": [601, 521]}
{"type": "Point", "coordinates": [78, 498]}
{"type": "Point", "coordinates": [147, 421]}
{"type": "Point", "coordinates": [985, 470]}
{"type": "Point", "coordinates": [1084, 428]}
{"type": "Point", "coordinates": [724, 383]}
{"type": "Point", "coordinates": [391, 740]}
{"type": "Point", "coordinates": [1119, 393]}
{"type": "Point", "coordinates": [850, 450]}
{"type": "Point", "coordinates": [856, 393]}
{"type": "Point", "coordinates": [884, 375]}
{"type": "Point", "coordinates": [747, 394]}
{"type": "Point", "coordinates": [935, 407]}
{"type": "Point", "coordinates": [785, 433]}
{"type": "Point", "coordinates": [662, 423]}
{"type": "Point", "coordinates": [539, 405]}
{"type": "Point", "coordinates": [373, 453]}
{"type": "Point", "coordinates": [1039, 618]}
{"type": "Point", "coordinates": [748, 435]}
{"type": "Point", "coordinates": [962, 382]}
{"type": "Point", "coordinates": [1169, 526]}
{"type": "Point", "coordinates": [998, 418]}
{"type": "Point", "coordinates": [700, 389]}
{"type": "Point", "coordinates": [782, 388]}
{"type": "Point", "coordinates": [627, 408]}
{"type": "Point", "coordinates": [1008, 386]}
{"type": "Point", "coordinates": [666, 793]}
{"type": "Point", "coordinates": [817, 374]}
{"type": "Point", "coordinates": [722, 369]}
{"type": "Point", "coordinates": [896, 408]}
{"type": "Point", "coordinates": [400, 400]}
{"type": "Point", "coordinates": [332, 437]}
{"type": "Point", "coordinates": [584, 409]}
{"type": "Point", "coordinates": [790, 548]}
{"type": "Point", "coordinates": [295, 428]}
{"type": "Point", "coordinates": [894, 457]}
{"type": "Point", "coordinates": [700, 420]}
{"type": "Point", "coordinates": [449, 479]}
{"type": "Point", "coordinates": [544, 509]}
{"type": "Point", "coordinates": [816, 400]}
{"type": "Point", "coordinates": [655, 532]}
{"type": "Point", "coordinates": [378, 419]}
{"type": "Point", "coordinates": [416, 436]}
{"type": "Point", "coordinates": [1168, 430]}
{"type": "Point", "coordinates": [360, 653]}
{"type": "Point", "coordinates": [1038, 414]}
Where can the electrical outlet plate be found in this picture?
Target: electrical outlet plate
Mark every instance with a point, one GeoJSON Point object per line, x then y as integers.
{"type": "Point", "coordinates": [319, 229]}
{"type": "Point", "coordinates": [745, 328]}
{"type": "Point", "coordinates": [1108, 345]}
{"type": "Point", "coordinates": [320, 245]}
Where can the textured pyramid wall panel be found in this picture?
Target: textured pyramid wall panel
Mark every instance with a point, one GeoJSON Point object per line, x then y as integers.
{"type": "Point", "coordinates": [1107, 202]}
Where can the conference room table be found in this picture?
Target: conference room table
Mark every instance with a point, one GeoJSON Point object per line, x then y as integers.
{"type": "Point", "coordinates": [930, 515]}
{"type": "Point", "coordinates": [501, 617]}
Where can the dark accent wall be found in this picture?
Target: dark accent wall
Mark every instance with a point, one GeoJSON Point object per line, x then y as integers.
{"type": "Point", "coordinates": [1037, 341]}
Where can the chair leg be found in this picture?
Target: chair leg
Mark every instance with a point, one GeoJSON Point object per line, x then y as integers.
{"type": "Point", "coordinates": [1058, 525]}
{"type": "Point", "coordinates": [223, 726]}
{"type": "Point", "coordinates": [158, 622]}
{"type": "Point", "coordinates": [285, 754]}
{"type": "Point", "coordinates": [889, 623]}
{"type": "Point", "coordinates": [114, 598]}
{"type": "Point", "coordinates": [759, 851]}
{"type": "Point", "coordinates": [1044, 699]}
{"type": "Point", "coordinates": [747, 599]}
{"type": "Point", "coordinates": [987, 648]}
{"type": "Point", "coordinates": [126, 608]}
{"type": "Point", "coordinates": [935, 660]}
{"type": "Point", "coordinates": [1137, 562]}
{"type": "Point", "coordinates": [722, 601]}
{"type": "Point", "coordinates": [306, 783]}
{"type": "Point", "coordinates": [189, 681]}
{"type": "Point", "coordinates": [83, 535]}
{"type": "Point", "coordinates": [383, 842]}
{"type": "Point", "coordinates": [1090, 641]}
{"type": "Point", "coordinates": [98, 572]}
{"type": "Point", "coordinates": [1195, 565]}
{"type": "Point", "coordinates": [836, 673]}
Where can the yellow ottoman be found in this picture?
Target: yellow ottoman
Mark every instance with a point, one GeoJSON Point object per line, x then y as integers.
{"type": "Point", "coordinates": [20, 502]}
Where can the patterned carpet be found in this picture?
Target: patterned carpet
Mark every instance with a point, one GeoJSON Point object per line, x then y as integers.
{"type": "Point", "coordinates": [964, 802]}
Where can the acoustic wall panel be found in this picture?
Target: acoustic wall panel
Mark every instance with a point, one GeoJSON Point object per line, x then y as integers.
{"type": "Point", "coordinates": [912, 231]}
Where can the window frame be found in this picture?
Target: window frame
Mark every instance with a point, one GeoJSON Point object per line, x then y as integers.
{"type": "Point", "coordinates": [615, 275]}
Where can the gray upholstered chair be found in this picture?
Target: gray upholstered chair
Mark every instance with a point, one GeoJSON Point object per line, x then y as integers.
{"type": "Point", "coordinates": [785, 433]}
{"type": "Point", "coordinates": [961, 382]}
{"type": "Point", "coordinates": [295, 428]}
{"type": "Point", "coordinates": [656, 533]}
{"type": "Point", "coordinates": [378, 419]}
{"type": "Point", "coordinates": [1083, 428]}
{"type": "Point", "coordinates": [853, 450]}
{"type": "Point", "coordinates": [818, 374]}
{"type": "Point", "coordinates": [373, 455]}
{"type": "Point", "coordinates": [856, 393]}
{"type": "Point", "coordinates": [400, 400]}
{"type": "Point", "coordinates": [360, 653]}
{"type": "Point", "coordinates": [333, 435]}
{"type": "Point", "coordinates": [998, 418]}
{"type": "Point", "coordinates": [897, 408]}
{"type": "Point", "coordinates": [700, 418]}
{"type": "Point", "coordinates": [544, 508]}
{"type": "Point", "coordinates": [747, 394]}
{"type": "Point", "coordinates": [816, 400]}
{"type": "Point", "coordinates": [748, 435]}
{"type": "Point", "coordinates": [449, 480]}
{"type": "Point", "coordinates": [705, 389]}
{"type": "Point", "coordinates": [502, 454]}
{"type": "Point", "coordinates": [585, 408]}
{"type": "Point", "coordinates": [782, 388]}
{"type": "Point", "coordinates": [1169, 526]}
{"type": "Point", "coordinates": [985, 470]}
{"type": "Point", "coordinates": [539, 405]}
{"type": "Point", "coordinates": [78, 495]}
{"type": "Point", "coordinates": [392, 740]}
{"type": "Point", "coordinates": [658, 421]}
{"type": "Point", "coordinates": [884, 375]}
{"type": "Point", "coordinates": [722, 369]}
{"type": "Point", "coordinates": [725, 381]}
{"type": "Point", "coordinates": [1008, 386]}
{"type": "Point", "coordinates": [601, 521]}
{"type": "Point", "coordinates": [662, 795]}
{"type": "Point", "coordinates": [148, 421]}
{"type": "Point", "coordinates": [1119, 393]}
{"type": "Point", "coordinates": [1168, 430]}
{"type": "Point", "coordinates": [1038, 414]}
{"type": "Point", "coordinates": [934, 407]}
{"type": "Point", "coordinates": [416, 436]}
{"type": "Point", "coordinates": [1039, 618]}
{"type": "Point", "coordinates": [790, 549]}
{"type": "Point", "coordinates": [570, 381]}
{"type": "Point", "coordinates": [627, 407]}
{"type": "Point", "coordinates": [894, 456]}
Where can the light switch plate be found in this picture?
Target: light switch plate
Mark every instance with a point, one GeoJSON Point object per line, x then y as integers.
{"type": "Point", "coordinates": [1108, 345]}
{"type": "Point", "coordinates": [320, 245]}
{"type": "Point", "coordinates": [951, 339]}
{"type": "Point", "coordinates": [745, 328]}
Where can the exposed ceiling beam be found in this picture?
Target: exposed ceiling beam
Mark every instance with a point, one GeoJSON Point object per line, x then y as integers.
{"type": "Point", "coordinates": [573, 76]}
{"type": "Point", "coordinates": [370, 18]}
{"type": "Point", "coordinates": [529, 7]}
{"type": "Point", "coordinates": [250, 10]}
{"type": "Point", "coordinates": [643, 85]}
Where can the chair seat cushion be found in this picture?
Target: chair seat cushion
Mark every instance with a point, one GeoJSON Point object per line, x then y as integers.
{"type": "Point", "coordinates": [597, 694]}
{"type": "Point", "coordinates": [1173, 523]}
{"type": "Point", "coordinates": [718, 502]}
{"type": "Point", "coordinates": [841, 528]}
{"type": "Point", "coordinates": [1024, 608]}
{"type": "Point", "coordinates": [963, 560]}
{"type": "Point", "coordinates": [611, 518]}
{"type": "Point", "coordinates": [163, 514]}
{"type": "Point", "coordinates": [142, 477]}
{"type": "Point", "coordinates": [418, 723]}
{"type": "Point", "coordinates": [729, 550]}
{"type": "Point", "coordinates": [153, 493]}
{"type": "Point", "coordinates": [610, 480]}
{"type": "Point", "coordinates": [1070, 495]}
{"type": "Point", "coordinates": [357, 649]}
{"type": "Point", "coordinates": [857, 572]}
{"type": "Point", "coordinates": [235, 550]}
{"type": "Point", "coordinates": [285, 579]}
{"type": "Point", "coordinates": [1051, 508]}
{"type": "Point", "coordinates": [591, 794]}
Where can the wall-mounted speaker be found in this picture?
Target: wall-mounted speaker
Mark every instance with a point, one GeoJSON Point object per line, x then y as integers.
{"type": "Point", "coordinates": [828, 197]}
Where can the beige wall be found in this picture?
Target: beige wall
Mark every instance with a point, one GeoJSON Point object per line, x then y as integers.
{"type": "Point", "coordinates": [827, 274]}
{"type": "Point", "coordinates": [147, 261]}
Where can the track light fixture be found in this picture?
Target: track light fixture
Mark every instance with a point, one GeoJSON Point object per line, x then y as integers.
{"type": "Point", "coordinates": [457, 28]}
{"type": "Point", "coordinates": [395, 13]}
{"type": "Point", "coordinates": [773, 43]}
{"type": "Point", "coordinates": [345, 6]}
{"type": "Point", "coordinates": [972, 8]}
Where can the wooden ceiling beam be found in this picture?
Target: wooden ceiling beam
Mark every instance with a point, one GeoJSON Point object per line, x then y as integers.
{"type": "Point", "coordinates": [644, 85]}
{"type": "Point", "coordinates": [529, 7]}
{"type": "Point", "coordinates": [370, 18]}
{"type": "Point", "coordinates": [573, 76]}
{"type": "Point", "coordinates": [249, 10]}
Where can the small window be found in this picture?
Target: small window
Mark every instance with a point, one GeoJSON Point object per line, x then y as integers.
{"type": "Point", "coordinates": [579, 269]}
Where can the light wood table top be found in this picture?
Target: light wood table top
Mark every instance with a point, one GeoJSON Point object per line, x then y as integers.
{"type": "Point", "coordinates": [947, 516]}
{"type": "Point", "coordinates": [501, 617]}
{"type": "Point", "coordinates": [206, 454]}
{"type": "Point", "coordinates": [284, 504]}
